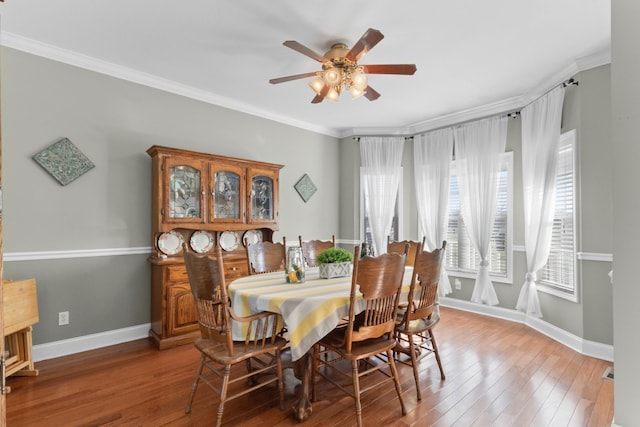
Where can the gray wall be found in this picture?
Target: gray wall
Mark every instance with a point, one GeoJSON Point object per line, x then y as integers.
{"type": "Point", "coordinates": [586, 109]}
{"type": "Point", "coordinates": [625, 107]}
{"type": "Point", "coordinates": [114, 122]}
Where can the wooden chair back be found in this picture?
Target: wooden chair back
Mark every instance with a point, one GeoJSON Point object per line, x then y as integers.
{"type": "Point", "coordinates": [206, 278]}
{"type": "Point", "coordinates": [259, 351]}
{"type": "Point", "coordinates": [379, 280]}
{"type": "Point", "coordinates": [265, 257]}
{"type": "Point", "coordinates": [421, 301]}
{"type": "Point", "coordinates": [398, 247]}
{"type": "Point", "coordinates": [312, 248]}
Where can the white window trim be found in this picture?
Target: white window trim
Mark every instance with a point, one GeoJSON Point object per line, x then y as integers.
{"type": "Point", "coordinates": [506, 157]}
{"type": "Point", "coordinates": [569, 137]}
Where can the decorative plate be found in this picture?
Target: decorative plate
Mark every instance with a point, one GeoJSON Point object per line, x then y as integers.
{"type": "Point", "coordinates": [229, 240]}
{"type": "Point", "coordinates": [253, 236]}
{"type": "Point", "coordinates": [202, 241]}
{"type": "Point", "coordinates": [170, 242]}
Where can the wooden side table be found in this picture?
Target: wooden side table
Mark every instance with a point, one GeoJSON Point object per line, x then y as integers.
{"type": "Point", "coordinates": [20, 305]}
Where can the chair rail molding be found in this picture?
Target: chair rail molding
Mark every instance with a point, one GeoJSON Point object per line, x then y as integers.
{"type": "Point", "coordinates": [78, 253]}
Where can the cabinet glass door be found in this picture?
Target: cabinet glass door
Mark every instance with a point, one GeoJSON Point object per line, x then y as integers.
{"type": "Point", "coordinates": [262, 208]}
{"type": "Point", "coordinates": [184, 192]}
{"type": "Point", "coordinates": [227, 195]}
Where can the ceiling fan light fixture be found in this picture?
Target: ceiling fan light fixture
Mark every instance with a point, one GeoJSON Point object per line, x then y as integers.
{"type": "Point", "coordinates": [340, 69]}
{"type": "Point", "coordinates": [332, 76]}
{"type": "Point", "coordinates": [317, 84]}
{"type": "Point", "coordinates": [359, 79]}
{"type": "Point", "coordinates": [356, 92]}
{"type": "Point", "coordinates": [333, 95]}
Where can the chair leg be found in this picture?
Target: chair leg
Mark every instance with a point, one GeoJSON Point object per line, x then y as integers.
{"type": "Point", "coordinates": [223, 394]}
{"type": "Point", "coordinates": [194, 387]}
{"type": "Point", "coordinates": [435, 350]}
{"type": "Point", "coordinates": [252, 380]}
{"type": "Point", "coordinates": [396, 379]}
{"type": "Point", "coordinates": [314, 370]}
{"type": "Point", "coordinates": [280, 380]}
{"type": "Point", "coordinates": [356, 391]}
{"type": "Point", "coordinates": [414, 365]}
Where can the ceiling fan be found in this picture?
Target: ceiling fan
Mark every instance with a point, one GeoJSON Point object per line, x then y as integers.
{"type": "Point", "coordinates": [340, 69]}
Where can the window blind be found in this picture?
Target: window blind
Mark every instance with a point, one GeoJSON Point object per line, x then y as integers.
{"type": "Point", "coordinates": [461, 254]}
{"type": "Point", "coordinates": [559, 270]}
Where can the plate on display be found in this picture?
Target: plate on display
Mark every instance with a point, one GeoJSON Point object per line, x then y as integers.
{"type": "Point", "coordinates": [253, 236]}
{"type": "Point", "coordinates": [229, 240]}
{"type": "Point", "coordinates": [202, 241]}
{"type": "Point", "coordinates": [170, 243]}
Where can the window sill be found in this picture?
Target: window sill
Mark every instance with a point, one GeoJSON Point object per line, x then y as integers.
{"type": "Point", "coordinates": [569, 296]}
{"type": "Point", "coordinates": [465, 275]}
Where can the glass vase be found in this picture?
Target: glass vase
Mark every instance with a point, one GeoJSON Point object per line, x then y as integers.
{"type": "Point", "coordinates": [294, 265]}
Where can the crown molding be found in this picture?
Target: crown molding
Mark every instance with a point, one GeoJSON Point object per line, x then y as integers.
{"type": "Point", "coordinates": [65, 56]}
{"type": "Point", "coordinates": [602, 57]}
{"type": "Point", "coordinates": [45, 50]}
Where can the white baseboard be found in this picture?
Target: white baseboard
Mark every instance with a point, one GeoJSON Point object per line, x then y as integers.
{"type": "Point", "coordinates": [582, 346]}
{"type": "Point", "coordinates": [103, 339]}
{"type": "Point", "coordinates": [89, 342]}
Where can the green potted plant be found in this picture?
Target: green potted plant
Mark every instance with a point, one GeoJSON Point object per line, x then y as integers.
{"type": "Point", "coordinates": [334, 262]}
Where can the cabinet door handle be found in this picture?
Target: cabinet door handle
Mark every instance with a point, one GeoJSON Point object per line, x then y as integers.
{"type": "Point", "coordinates": [233, 268]}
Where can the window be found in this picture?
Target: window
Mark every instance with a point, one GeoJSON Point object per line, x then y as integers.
{"type": "Point", "coordinates": [558, 275]}
{"type": "Point", "coordinates": [365, 226]}
{"type": "Point", "coordinates": [461, 257]}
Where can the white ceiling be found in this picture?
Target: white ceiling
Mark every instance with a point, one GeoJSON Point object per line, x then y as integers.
{"type": "Point", "coordinates": [473, 57]}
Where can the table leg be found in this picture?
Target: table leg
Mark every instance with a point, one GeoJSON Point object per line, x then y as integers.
{"type": "Point", "coordinates": [303, 370]}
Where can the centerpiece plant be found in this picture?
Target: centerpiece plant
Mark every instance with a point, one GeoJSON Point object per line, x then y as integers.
{"type": "Point", "coordinates": [334, 262]}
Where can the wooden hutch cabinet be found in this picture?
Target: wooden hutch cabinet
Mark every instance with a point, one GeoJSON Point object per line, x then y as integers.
{"type": "Point", "coordinates": [203, 200]}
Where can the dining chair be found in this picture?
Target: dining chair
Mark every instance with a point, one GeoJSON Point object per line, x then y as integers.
{"type": "Point", "coordinates": [399, 248]}
{"type": "Point", "coordinates": [415, 322]}
{"type": "Point", "coordinates": [312, 248]}
{"type": "Point", "coordinates": [265, 257]}
{"type": "Point", "coordinates": [260, 350]}
{"type": "Point", "coordinates": [375, 289]}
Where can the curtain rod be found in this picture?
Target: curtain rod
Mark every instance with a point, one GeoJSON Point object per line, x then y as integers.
{"type": "Point", "coordinates": [565, 83]}
{"type": "Point", "coordinates": [511, 114]}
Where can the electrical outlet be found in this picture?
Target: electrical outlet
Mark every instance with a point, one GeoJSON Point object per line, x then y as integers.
{"type": "Point", "coordinates": [457, 284]}
{"type": "Point", "coordinates": [63, 318]}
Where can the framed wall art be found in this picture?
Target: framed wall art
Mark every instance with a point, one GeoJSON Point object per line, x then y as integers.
{"type": "Point", "coordinates": [305, 187]}
{"type": "Point", "coordinates": [64, 161]}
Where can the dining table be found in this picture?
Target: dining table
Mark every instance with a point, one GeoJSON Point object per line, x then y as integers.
{"type": "Point", "coordinates": [308, 310]}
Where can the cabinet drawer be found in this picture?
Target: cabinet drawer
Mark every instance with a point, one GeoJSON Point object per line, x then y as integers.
{"type": "Point", "coordinates": [177, 273]}
{"type": "Point", "coordinates": [234, 269]}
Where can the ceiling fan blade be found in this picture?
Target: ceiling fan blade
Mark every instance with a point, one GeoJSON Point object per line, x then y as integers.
{"type": "Point", "coordinates": [371, 94]}
{"type": "Point", "coordinates": [320, 97]}
{"type": "Point", "coordinates": [368, 40]}
{"type": "Point", "coordinates": [294, 77]}
{"type": "Point", "coordinates": [407, 69]}
{"type": "Point", "coordinates": [305, 51]}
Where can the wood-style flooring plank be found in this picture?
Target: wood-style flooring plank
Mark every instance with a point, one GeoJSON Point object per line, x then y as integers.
{"type": "Point", "coordinates": [498, 373]}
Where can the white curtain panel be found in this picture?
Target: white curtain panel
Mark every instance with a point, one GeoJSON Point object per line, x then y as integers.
{"type": "Point", "coordinates": [432, 154]}
{"type": "Point", "coordinates": [478, 148]}
{"type": "Point", "coordinates": [540, 138]}
{"type": "Point", "coordinates": [381, 160]}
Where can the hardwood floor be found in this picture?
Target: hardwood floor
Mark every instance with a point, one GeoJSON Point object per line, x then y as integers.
{"type": "Point", "coordinates": [499, 373]}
